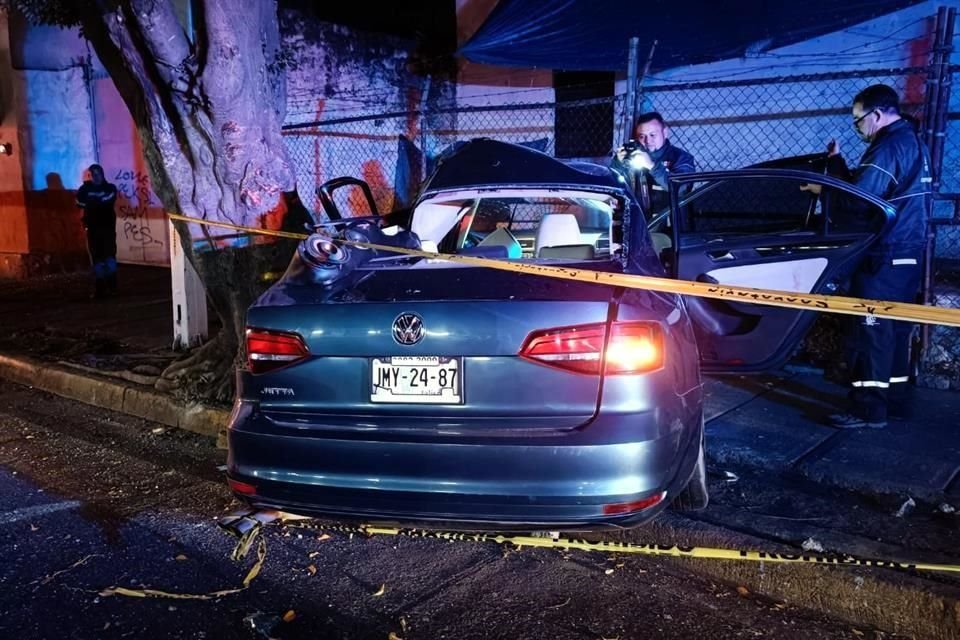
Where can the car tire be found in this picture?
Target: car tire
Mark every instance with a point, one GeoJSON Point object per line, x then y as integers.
{"type": "Point", "coordinates": [695, 496]}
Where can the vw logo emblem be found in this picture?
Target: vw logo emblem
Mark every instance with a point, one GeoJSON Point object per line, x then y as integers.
{"type": "Point", "coordinates": [408, 329]}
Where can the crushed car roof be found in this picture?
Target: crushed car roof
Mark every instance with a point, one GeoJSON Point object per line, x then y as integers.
{"type": "Point", "coordinates": [487, 163]}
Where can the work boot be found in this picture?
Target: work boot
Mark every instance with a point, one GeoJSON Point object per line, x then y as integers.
{"type": "Point", "coordinates": [99, 289]}
{"type": "Point", "coordinates": [850, 421]}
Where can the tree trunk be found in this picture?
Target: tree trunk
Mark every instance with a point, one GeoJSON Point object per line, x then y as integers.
{"type": "Point", "coordinates": [209, 111]}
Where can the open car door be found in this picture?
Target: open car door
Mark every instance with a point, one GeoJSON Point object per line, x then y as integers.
{"type": "Point", "coordinates": [757, 228]}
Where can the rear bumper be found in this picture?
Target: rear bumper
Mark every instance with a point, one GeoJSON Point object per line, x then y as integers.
{"type": "Point", "coordinates": [508, 483]}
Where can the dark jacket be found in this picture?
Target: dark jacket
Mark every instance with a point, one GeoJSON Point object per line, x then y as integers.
{"type": "Point", "coordinates": [896, 167]}
{"type": "Point", "coordinates": [666, 160]}
{"type": "Point", "coordinates": [97, 204]}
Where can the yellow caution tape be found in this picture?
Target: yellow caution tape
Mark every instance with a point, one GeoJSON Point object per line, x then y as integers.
{"type": "Point", "coordinates": [676, 551]}
{"type": "Point", "coordinates": [770, 297]}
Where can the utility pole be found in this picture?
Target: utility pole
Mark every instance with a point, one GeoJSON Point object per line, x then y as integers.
{"type": "Point", "coordinates": [189, 296]}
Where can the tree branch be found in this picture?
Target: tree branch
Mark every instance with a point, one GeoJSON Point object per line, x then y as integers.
{"type": "Point", "coordinates": [164, 38]}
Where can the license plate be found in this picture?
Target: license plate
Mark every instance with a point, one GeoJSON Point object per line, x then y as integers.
{"type": "Point", "coordinates": [416, 379]}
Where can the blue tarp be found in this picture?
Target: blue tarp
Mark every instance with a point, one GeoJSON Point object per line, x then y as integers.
{"type": "Point", "coordinates": [583, 35]}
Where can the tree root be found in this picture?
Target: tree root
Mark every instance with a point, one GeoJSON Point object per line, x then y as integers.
{"type": "Point", "coordinates": [206, 375]}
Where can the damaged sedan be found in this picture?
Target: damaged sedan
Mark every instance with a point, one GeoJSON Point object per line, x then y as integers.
{"type": "Point", "coordinates": [391, 388]}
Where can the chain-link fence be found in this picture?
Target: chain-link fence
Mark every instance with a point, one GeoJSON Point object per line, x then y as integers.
{"type": "Point", "coordinates": [726, 125]}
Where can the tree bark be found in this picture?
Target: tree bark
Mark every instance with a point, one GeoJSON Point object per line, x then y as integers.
{"type": "Point", "coordinates": [209, 108]}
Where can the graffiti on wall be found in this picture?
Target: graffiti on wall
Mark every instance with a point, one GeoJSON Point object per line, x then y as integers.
{"type": "Point", "coordinates": [141, 227]}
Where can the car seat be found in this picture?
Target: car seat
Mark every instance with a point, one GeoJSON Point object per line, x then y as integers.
{"type": "Point", "coordinates": [560, 234]}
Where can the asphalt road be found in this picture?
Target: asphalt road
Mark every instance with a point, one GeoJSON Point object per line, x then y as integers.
{"type": "Point", "coordinates": [91, 500]}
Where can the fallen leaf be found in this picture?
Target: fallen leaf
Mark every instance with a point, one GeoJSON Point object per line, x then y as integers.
{"type": "Point", "coordinates": [382, 590]}
{"type": "Point", "coordinates": [393, 636]}
{"type": "Point", "coordinates": [289, 616]}
{"type": "Point", "coordinates": [620, 565]}
{"type": "Point", "coordinates": [608, 571]}
{"type": "Point", "coordinates": [181, 557]}
{"type": "Point", "coordinates": [34, 527]}
{"type": "Point", "coordinates": [312, 569]}
{"type": "Point", "coordinates": [403, 624]}
{"type": "Point", "coordinates": [313, 554]}
{"type": "Point", "coordinates": [743, 591]}
{"type": "Point", "coordinates": [325, 536]}
{"type": "Point", "coordinates": [857, 632]}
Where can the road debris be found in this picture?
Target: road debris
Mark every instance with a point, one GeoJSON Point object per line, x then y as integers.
{"type": "Point", "coordinates": [905, 508]}
{"type": "Point", "coordinates": [262, 624]}
{"type": "Point", "coordinates": [79, 563]}
{"type": "Point", "coordinates": [810, 544]}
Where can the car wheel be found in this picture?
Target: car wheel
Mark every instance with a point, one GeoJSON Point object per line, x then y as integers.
{"type": "Point", "coordinates": [694, 496]}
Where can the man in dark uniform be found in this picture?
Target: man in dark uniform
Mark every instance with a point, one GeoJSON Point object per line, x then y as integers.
{"type": "Point", "coordinates": [653, 160]}
{"type": "Point", "coordinates": [96, 197]}
{"type": "Point", "coordinates": [895, 167]}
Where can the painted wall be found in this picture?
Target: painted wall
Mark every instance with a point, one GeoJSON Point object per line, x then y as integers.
{"type": "Point", "coordinates": [13, 216]}
{"type": "Point", "coordinates": [71, 116]}
{"type": "Point", "coordinates": [74, 116]}
{"type": "Point", "coordinates": [39, 228]}
{"type": "Point", "coordinates": [350, 80]}
{"type": "Point", "coordinates": [142, 229]}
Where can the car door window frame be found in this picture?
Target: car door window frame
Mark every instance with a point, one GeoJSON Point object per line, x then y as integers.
{"type": "Point", "coordinates": [678, 200]}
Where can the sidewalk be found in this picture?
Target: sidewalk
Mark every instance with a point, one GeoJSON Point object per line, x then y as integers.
{"type": "Point", "coordinates": [777, 423]}
{"type": "Point", "coordinates": [772, 423]}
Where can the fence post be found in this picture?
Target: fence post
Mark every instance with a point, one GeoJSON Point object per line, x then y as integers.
{"type": "Point", "coordinates": [629, 109]}
{"type": "Point", "coordinates": [935, 130]}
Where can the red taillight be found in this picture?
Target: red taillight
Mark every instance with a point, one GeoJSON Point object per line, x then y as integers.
{"type": "Point", "coordinates": [633, 347]}
{"type": "Point", "coordinates": [573, 348]}
{"type": "Point", "coordinates": [621, 508]}
{"type": "Point", "coordinates": [243, 488]}
{"type": "Point", "coordinates": [269, 350]}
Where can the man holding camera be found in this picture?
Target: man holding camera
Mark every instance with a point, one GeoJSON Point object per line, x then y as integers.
{"type": "Point", "coordinates": [650, 157]}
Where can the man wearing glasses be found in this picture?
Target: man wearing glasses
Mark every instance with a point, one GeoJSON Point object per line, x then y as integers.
{"type": "Point", "coordinates": [895, 167]}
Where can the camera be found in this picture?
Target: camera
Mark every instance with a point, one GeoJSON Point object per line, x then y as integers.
{"type": "Point", "coordinates": [632, 146]}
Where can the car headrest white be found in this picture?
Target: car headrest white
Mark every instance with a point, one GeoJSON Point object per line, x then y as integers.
{"type": "Point", "coordinates": [556, 230]}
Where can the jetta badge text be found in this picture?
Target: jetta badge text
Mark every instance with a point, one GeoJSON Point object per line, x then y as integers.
{"type": "Point", "coordinates": [408, 329]}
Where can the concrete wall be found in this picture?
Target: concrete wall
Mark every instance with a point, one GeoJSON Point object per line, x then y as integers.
{"type": "Point", "coordinates": [71, 116]}
{"type": "Point", "coordinates": [39, 225]}
{"type": "Point", "coordinates": [349, 79]}
{"type": "Point", "coordinates": [13, 216]}
{"type": "Point", "coordinates": [142, 229]}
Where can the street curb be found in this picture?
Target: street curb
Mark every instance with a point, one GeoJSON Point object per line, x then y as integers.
{"type": "Point", "coordinates": [893, 601]}
{"type": "Point", "coordinates": [106, 393]}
